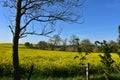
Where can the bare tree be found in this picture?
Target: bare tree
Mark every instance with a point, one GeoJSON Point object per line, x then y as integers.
{"type": "Point", "coordinates": [64, 44]}
{"type": "Point", "coordinates": [55, 41]}
{"type": "Point", "coordinates": [46, 12]}
{"type": "Point", "coordinates": [73, 42]}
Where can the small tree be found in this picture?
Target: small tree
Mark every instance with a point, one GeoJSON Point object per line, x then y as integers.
{"type": "Point", "coordinates": [106, 59]}
{"type": "Point", "coordinates": [82, 57]}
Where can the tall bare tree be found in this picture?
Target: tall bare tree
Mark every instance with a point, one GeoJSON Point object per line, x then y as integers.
{"type": "Point", "coordinates": [46, 12]}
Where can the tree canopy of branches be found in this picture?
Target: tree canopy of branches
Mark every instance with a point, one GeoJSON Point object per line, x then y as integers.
{"type": "Point", "coordinates": [46, 12]}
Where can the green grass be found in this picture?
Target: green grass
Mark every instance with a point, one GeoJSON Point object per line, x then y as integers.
{"type": "Point", "coordinates": [50, 63]}
{"type": "Point", "coordinates": [92, 77]}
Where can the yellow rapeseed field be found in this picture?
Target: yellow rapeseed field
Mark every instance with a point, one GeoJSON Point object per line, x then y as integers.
{"type": "Point", "coordinates": [48, 61]}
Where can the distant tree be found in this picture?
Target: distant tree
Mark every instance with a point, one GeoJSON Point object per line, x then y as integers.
{"type": "Point", "coordinates": [55, 41]}
{"type": "Point", "coordinates": [64, 44]}
{"type": "Point", "coordinates": [46, 12]}
{"type": "Point", "coordinates": [28, 45]}
{"type": "Point", "coordinates": [42, 45]}
{"type": "Point", "coordinates": [114, 46]}
{"type": "Point", "coordinates": [96, 49]}
{"type": "Point", "coordinates": [74, 42]}
{"type": "Point", "coordinates": [118, 51]}
{"type": "Point", "coordinates": [86, 46]}
{"type": "Point", "coordinates": [119, 34]}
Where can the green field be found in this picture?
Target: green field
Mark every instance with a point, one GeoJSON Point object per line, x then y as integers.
{"type": "Point", "coordinates": [57, 64]}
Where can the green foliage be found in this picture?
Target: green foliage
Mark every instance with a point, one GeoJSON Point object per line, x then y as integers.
{"type": "Point", "coordinates": [92, 77]}
{"type": "Point", "coordinates": [106, 59]}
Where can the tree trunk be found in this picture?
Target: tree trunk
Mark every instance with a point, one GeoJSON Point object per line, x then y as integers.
{"type": "Point", "coordinates": [16, 41]}
{"type": "Point", "coordinates": [16, 58]}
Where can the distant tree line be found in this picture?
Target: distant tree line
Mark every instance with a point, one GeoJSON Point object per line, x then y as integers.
{"type": "Point", "coordinates": [71, 44]}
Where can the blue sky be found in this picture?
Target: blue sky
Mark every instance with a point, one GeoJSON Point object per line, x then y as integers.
{"type": "Point", "coordinates": [101, 19]}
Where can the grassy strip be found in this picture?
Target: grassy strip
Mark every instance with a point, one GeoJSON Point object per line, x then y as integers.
{"type": "Point", "coordinates": [92, 77]}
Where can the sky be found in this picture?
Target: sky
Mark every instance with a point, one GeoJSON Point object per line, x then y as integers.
{"type": "Point", "coordinates": [101, 19]}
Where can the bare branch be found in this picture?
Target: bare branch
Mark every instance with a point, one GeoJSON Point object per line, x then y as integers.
{"type": "Point", "coordinates": [27, 23]}
{"type": "Point", "coordinates": [44, 32]}
{"type": "Point", "coordinates": [41, 34]}
{"type": "Point", "coordinates": [11, 28]}
{"type": "Point", "coordinates": [10, 4]}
